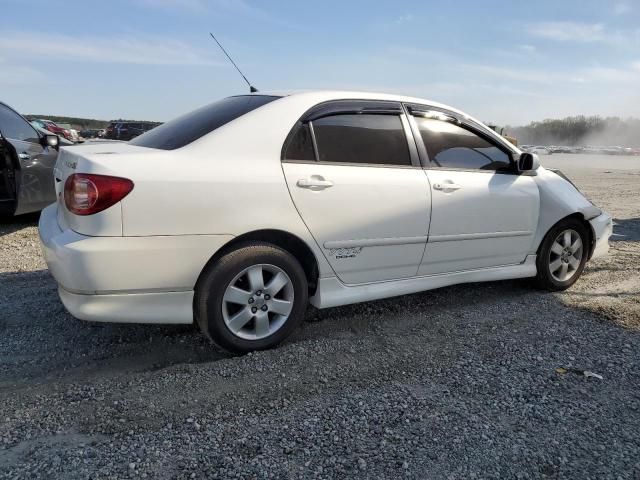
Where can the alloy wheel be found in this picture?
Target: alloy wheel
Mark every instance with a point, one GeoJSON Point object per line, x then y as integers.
{"type": "Point", "coordinates": [565, 255]}
{"type": "Point", "coordinates": [258, 301]}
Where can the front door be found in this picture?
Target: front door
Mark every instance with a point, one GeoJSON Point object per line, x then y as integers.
{"type": "Point", "coordinates": [7, 179]}
{"type": "Point", "coordinates": [363, 198]}
{"type": "Point", "coordinates": [484, 214]}
{"type": "Point", "coordinates": [33, 180]}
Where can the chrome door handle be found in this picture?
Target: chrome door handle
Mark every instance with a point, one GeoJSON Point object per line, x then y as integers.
{"type": "Point", "coordinates": [446, 186]}
{"type": "Point", "coordinates": [24, 156]}
{"type": "Point", "coordinates": [315, 182]}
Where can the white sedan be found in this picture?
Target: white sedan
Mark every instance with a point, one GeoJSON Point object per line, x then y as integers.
{"type": "Point", "coordinates": [239, 214]}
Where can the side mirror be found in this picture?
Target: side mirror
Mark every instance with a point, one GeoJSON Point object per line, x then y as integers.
{"type": "Point", "coordinates": [51, 141]}
{"type": "Point", "coordinates": [528, 162]}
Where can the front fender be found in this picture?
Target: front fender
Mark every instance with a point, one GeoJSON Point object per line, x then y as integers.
{"type": "Point", "coordinates": [559, 198]}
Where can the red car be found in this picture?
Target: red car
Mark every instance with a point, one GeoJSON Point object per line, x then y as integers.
{"type": "Point", "coordinates": [53, 128]}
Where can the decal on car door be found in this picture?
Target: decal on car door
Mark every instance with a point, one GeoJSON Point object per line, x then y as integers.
{"type": "Point", "coordinates": [340, 253]}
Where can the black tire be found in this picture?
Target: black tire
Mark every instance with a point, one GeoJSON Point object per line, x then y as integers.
{"type": "Point", "coordinates": [211, 287]}
{"type": "Point", "coordinates": [545, 279]}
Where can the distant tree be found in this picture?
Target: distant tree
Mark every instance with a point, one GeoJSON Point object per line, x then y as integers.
{"type": "Point", "coordinates": [580, 131]}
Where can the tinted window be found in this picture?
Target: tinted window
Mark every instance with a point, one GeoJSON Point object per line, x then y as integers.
{"type": "Point", "coordinates": [377, 139]}
{"type": "Point", "coordinates": [15, 127]}
{"type": "Point", "coordinates": [300, 146]}
{"type": "Point", "coordinates": [185, 129]}
{"type": "Point", "coordinates": [451, 146]}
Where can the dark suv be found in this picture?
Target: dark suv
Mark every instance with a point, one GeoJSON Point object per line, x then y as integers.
{"type": "Point", "coordinates": [120, 130]}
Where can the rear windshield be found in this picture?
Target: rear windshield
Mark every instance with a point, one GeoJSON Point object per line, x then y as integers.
{"type": "Point", "coordinates": [185, 129]}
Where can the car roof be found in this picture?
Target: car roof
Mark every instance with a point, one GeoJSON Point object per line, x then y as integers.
{"type": "Point", "coordinates": [314, 97]}
{"type": "Point", "coordinates": [328, 95]}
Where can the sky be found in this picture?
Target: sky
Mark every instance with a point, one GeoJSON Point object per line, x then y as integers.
{"type": "Point", "coordinates": [505, 62]}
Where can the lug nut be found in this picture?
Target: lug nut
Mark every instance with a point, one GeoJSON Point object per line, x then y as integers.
{"type": "Point", "coordinates": [264, 308]}
{"type": "Point", "coordinates": [251, 300]}
{"type": "Point", "coordinates": [254, 309]}
{"type": "Point", "coordinates": [259, 292]}
{"type": "Point", "coordinates": [267, 296]}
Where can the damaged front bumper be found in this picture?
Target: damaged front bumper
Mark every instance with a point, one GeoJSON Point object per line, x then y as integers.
{"type": "Point", "coordinates": [602, 226]}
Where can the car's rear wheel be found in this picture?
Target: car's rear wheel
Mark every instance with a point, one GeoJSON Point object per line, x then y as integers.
{"type": "Point", "coordinates": [252, 298]}
{"type": "Point", "coordinates": [562, 255]}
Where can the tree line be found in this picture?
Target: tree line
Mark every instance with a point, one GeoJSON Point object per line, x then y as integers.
{"type": "Point", "coordinates": [571, 131]}
{"type": "Point", "coordinates": [580, 131]}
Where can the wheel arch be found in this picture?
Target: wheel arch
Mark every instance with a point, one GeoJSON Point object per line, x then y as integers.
{"type": "Point", "coordinates": [280, 238]}
{"type": "Point", "coordinates": [582, 219]}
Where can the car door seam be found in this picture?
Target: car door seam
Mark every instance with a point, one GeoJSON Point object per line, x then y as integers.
{"type": "Point", "coordinates": [293, 202]}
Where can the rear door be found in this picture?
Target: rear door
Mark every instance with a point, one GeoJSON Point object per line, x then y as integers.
{"type": "Point", "coordinates": [33, 176]}
{"type": "Point", "coordinates": [357, 184]}
{"type": "Point", "coordinates": [484, 213]}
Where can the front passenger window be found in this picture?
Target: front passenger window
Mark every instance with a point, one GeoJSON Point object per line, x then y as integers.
{"type": "Point", "coordinates": [451, 146]}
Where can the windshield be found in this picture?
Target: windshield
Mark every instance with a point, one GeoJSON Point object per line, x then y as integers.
{"type": "Point", "coordinates": [185, 129]}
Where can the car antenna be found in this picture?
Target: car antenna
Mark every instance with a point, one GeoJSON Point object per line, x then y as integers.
{"type": "Point", "coordinates": [252, 89]}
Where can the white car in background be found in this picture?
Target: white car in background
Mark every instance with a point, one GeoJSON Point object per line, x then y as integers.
{"type": "Point", "coordinates": [537, 150]}
{"type": "Point", "coordinates": [240, 213]}
{"type": "Point", "coordinates": [75, 138]}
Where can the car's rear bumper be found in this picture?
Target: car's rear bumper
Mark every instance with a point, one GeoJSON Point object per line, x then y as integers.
{"type": "Point", "coordinates": [602, 228]}
{"type": "Point", "coordinates": [148, 307]}
{"type": "Point", "coordinates": [126, 279]}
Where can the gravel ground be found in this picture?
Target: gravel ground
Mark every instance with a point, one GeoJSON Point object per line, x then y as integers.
{"type": "Point", "coordinates": [459, 382]}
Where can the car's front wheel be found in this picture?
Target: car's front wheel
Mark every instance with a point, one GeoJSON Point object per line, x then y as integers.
{"type": "Point", "coordinates": [562, 255]}
{"type": "Point", "coordinates": [252, 298]}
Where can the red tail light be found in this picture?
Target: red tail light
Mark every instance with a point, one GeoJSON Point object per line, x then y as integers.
{"type": "Point", "coordinates": [86, 194]}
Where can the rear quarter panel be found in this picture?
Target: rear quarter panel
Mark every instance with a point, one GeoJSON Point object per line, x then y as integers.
{"type": "Point", "coordinates": [229, 182]}
{"type": "Point", "coordinates": [89, 159]}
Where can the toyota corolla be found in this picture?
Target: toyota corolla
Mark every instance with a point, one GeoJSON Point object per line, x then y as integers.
{"type": "Point", "coordinates": [239, 214]}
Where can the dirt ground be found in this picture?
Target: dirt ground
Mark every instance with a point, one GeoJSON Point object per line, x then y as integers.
{"type": "Point", "coordinates": [460, 382]}
{"type": "Point", "coordinates": [611, 285]}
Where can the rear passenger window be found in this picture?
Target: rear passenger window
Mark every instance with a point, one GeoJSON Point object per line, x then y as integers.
{"type": "Point", "coordinates": [362, 138]}
{"type": "Point", "coordinates": [300, 145]}
{"type": "Point", "coordinates": [451, 146]}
